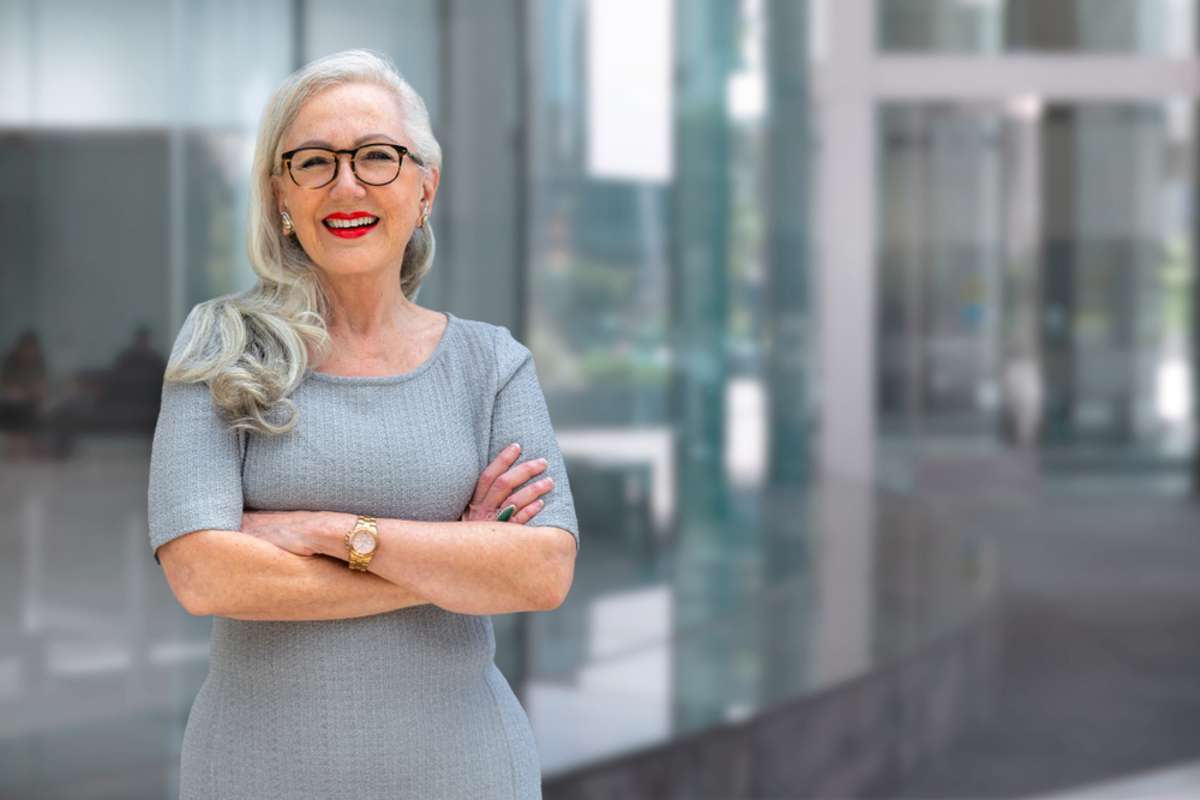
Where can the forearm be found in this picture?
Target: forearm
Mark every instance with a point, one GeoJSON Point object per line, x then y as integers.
{"type": "Point", "coordinates": [473, 567]}
{"type": "Point", "coordinates": [244, 577]}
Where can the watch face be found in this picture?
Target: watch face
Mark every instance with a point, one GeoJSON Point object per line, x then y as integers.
{"type": "Point", "coordinates": [363, 542]}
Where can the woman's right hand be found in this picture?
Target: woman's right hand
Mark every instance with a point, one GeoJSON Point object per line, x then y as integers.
{"type": "Point", "coordinates": [494, 491]}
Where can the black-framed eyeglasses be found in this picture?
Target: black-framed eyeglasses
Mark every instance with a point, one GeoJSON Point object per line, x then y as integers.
{"type": "Point", "coordinates": [375, 164]}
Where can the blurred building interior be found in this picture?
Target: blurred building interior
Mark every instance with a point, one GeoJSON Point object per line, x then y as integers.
{"type": "Point", "coordinates": [867, 328]}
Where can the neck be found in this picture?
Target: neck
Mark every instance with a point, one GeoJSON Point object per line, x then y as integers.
{"type": "Point", "coordinates": [368, 305]}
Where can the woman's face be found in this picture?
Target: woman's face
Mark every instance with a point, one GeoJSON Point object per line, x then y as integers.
{"type": "Point", "coordinates": [341, 118]}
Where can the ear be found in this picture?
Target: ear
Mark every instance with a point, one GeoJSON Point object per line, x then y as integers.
{"type": "Point", "coordinates": [279, 193]}
{"type": "Point", "coordinates": [429, 185]}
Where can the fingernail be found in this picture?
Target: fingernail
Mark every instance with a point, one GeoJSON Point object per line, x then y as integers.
{"type": "Point", "coordinates": [543, 461]}
{"type": "Point", "coordinates": [514, 447]}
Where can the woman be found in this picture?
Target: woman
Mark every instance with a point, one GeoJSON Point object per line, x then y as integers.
{"type": "Point", "coordinates": [326, 476]}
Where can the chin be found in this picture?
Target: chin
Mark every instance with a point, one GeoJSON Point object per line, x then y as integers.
{"type": "Point", "coordinates": [353, 263]}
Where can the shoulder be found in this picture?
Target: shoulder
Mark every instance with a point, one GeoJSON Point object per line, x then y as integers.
{"type": "Point", "coordinates": [497, 342]}
{"type": "Point", "coordinates": [194, 334]}
{"type": "Point", "coordinates": [475, 328]}
{"type": "Point", "coordinates": [488, 332]}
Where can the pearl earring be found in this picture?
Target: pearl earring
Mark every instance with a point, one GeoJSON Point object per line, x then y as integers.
{"type": "Point", "coordinates": [288, 226]}
{"type": "Point", "coordinates": [424, 216]}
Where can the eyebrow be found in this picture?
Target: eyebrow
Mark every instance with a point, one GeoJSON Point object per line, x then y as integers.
{"type": "Point", "coordinates": [322, 143]}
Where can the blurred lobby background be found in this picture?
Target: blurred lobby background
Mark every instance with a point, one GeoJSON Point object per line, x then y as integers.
{"type": "Point", "coordinates": [867, 329]}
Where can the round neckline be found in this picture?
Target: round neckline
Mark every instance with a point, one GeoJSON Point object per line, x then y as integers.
{"type": "Point", "coordinates": [328, 377]}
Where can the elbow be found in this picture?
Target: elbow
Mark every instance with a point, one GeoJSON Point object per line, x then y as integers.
{"type": "Point", "coordinates": [558, 571]}
{"type": "Point", "coordinates": [180, 562]}
{"type": "Point", "coordinates": [194, 606]}
{"type": "Point", "coordinates": [553, 600]}
{"type": "Point", "coordinates": [192, 600]}
{"type": "Point", "coordinates": [196, 602]}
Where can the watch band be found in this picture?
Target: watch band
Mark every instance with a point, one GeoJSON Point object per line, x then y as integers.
{"type": "Point", "coordinates": [356, 560]}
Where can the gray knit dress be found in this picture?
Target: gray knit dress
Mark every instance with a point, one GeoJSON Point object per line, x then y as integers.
{"type": "Point", "coordinates": [405, 704]}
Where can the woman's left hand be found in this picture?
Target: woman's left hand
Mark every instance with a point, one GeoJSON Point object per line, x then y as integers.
{"type": "Point", "coordinates": [290, 530]}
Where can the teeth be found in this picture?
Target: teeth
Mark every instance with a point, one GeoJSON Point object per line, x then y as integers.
{"type": "Point", "coordinates": [351, 223]}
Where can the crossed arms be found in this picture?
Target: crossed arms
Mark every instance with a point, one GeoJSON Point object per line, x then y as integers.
{"type": "Point", "coordinates": [468, 567]}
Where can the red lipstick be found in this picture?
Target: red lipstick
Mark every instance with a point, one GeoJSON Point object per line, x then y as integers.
{"type": "Point", "coordinates": [353, 231]}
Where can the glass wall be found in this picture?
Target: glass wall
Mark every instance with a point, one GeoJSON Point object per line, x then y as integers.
{"type": "Point", "coordinates": [655, 248]}
{"type": "Point", "coordinates": [1119, 271]}
{"type": "Point", "coordinates": [944, 192]}
{"type": "Point", "coordinates": [1036, 354]}
{"type": "Point", "coordinates": [1148, 27]}
{"type": "Point", "coordinates": [1036, 277]}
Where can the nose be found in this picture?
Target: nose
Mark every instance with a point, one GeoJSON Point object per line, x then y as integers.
{"type": "Point", "coordinates": [345, 184]}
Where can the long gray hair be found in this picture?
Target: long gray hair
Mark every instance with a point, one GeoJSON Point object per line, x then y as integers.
{"type": "Point", "coordinates": [252, 347]}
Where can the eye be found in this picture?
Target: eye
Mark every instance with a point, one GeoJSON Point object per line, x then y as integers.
{"type": "Point", "coordinates": [380, 155]}
{"type": "Point", "coordinates": [311, 162]}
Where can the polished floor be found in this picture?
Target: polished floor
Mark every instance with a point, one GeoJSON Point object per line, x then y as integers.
{"type": "Point", "coordinates": [1177, 782]}
{"type": "Point", "coordinates": [1098, 695]}
{"type": "Point", "coordinates": [662, 635]}
{"type": "Point", "coordinates": [98, 664]}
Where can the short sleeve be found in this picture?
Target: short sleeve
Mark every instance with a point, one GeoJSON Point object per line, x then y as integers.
{"type": "Point", "coordinates": [520, 415]}
{"type": "Point", "coordinates": [195, 463]}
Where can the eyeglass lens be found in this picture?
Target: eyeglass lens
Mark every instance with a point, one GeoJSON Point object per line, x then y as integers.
{"type": "Point", "coordinates": [375, 165]}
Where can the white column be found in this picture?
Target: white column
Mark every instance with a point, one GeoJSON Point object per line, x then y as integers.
{"type": "Point", "coordinates": [845, 305]}
{"type": "Point", "coordinates": [846, 261]}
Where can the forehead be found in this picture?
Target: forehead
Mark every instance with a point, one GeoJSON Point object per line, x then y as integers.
{"type": "Point", "coordinates": [341, 116]}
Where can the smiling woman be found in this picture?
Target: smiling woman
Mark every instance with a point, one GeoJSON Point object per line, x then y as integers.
{"type": "Point", "coordinates": [315, 180]}
{"type": "Point", "coordinates": [253, 347]}
{"type": "Point", "coordinates": [352, 553]}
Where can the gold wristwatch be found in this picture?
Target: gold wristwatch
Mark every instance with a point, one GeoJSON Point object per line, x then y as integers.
{"type": "Point", "coordinates": [362, 541]}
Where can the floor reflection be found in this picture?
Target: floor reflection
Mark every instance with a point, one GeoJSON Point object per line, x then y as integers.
{"type": "Point", "coordinates": [714, 631]}
{"type": "Point", "coordinates": [666, 630]}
